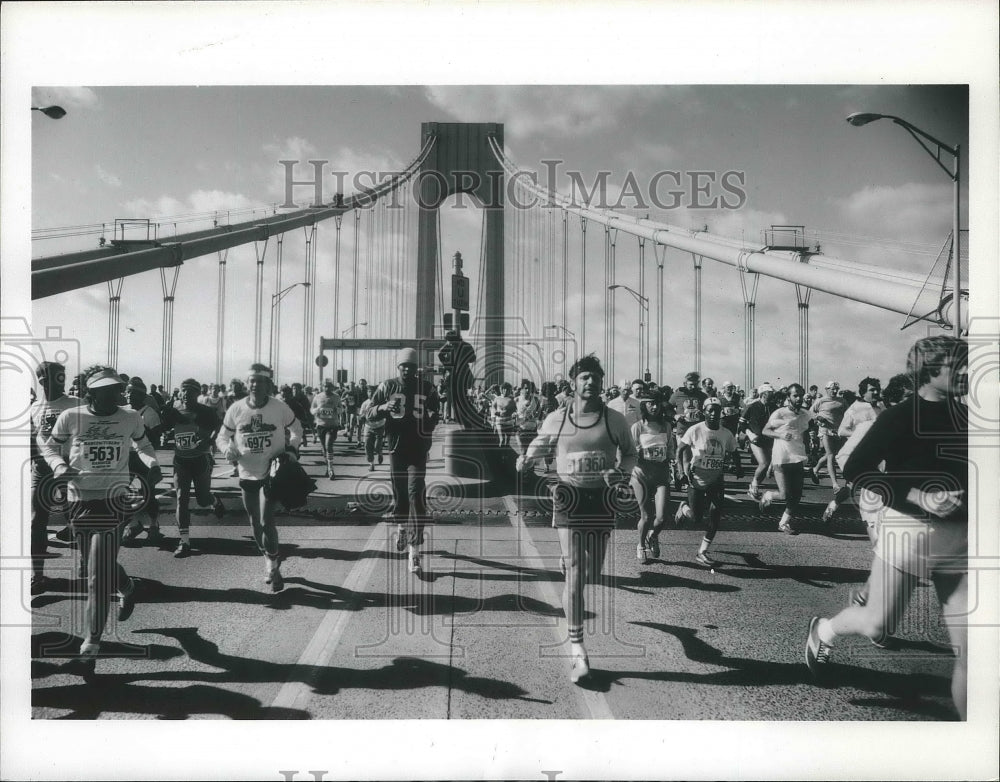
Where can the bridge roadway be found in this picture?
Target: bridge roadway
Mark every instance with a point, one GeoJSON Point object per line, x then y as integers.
{"type": "Point", "coordinates": [355, 636]}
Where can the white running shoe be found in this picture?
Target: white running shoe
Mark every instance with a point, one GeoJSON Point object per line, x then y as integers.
{"type": "Point", "coordinates": [581, 665]}
{"type": "Point", "coordinates": [642, 554]}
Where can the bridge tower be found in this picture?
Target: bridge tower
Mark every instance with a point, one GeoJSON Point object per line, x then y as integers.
{"type": "Point", "coordinates": [461, 162]}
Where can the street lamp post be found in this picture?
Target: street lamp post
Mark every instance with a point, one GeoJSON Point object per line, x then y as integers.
{"type": "Point", "coordinates": [55, 112]}
{"type": "Point", "coordinates": [643, 307]}
{"type": "Point", "coordinates": [566, 333]}
{"type": "Point", "coordinates": [863, 118]}
{"type": "Point", "coordinates": [343, 334]}
{"type": "Point", "coordinates": [275, 299]}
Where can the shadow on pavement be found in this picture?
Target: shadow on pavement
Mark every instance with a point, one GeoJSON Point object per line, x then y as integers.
{"type": "Point", "coordinates": [122, 693]}
{"type": "Point", "coordinates": [907, 692]}
{"type": "Point", "coordinates": [753, 567]}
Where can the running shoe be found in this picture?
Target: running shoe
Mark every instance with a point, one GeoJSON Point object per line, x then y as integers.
{"type": "Point", "coordinates": [702, 559]}
{"type": "Point", "coordinates": [859, 598]}
{"type": "Point", "coordinates": [581, 666]}
{"type": "Point", "coordinates": [680, 516]}
{"type": "Point", "coordinates": [183, 550]}
{"type": "Point", "coordinates": [126, 601]}
{"type": "Point", "coordinates": [414, 564]}
{"type": "Point", "coordinates": [89, 650]}
{"type": "Point", "coordinates": [883, 641]}
{"type": "Point", "coordinates": [811, 472]}
{"type": "Point", "coordinates": [831, 508]}
{"type": "Point", "coordinates": [817, 652]}
{"type": "Point", "coordinates": [380, 459]}
{"type": "Point", "coordinates": [131, 532]}
{"type": "Point", "coordinates": [653, 544]}
{"type": "Point", "coordinates": [217, 507]}
{"type": "Point", "coordinates": [642, 554]}
{"type": "Point", "coordinates": [765, 501]}
{"type": "Point", "coordinates": [275, 579]}
{"type": "Point", "coordinates": [753, 492]}
{"type": "Point", "coordinates": [787, 528]}
{"type": "Point", "coordinates": [371, 466]}
{"type": "Point", "coordinates": [400, 538]}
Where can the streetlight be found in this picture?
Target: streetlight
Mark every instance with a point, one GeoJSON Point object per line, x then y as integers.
{"type": "Point", "coordinates": [643, 306]}
{"type": "Point", "coordinates": [55, 112]}
{"type": "Point", "coordinates": [863, 118]}
{"type": "Point", "coordinates": [275, 298]}
{"type": "Point", "coordinates": [343, 334]}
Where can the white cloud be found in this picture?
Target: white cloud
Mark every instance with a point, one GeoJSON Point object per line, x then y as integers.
{"type": "Point", "coordinates": [348, 169]}
{"type": "Point", "coordinates": [200, 202]}
{"type": "Point", "coordinates": [561, 111]}
{"type": "Point", "coordinates": [67, 97]}
{"type": "Point", "coordinates": [107, 177]}
{"type": "Point", "coordinates": [910, 212]}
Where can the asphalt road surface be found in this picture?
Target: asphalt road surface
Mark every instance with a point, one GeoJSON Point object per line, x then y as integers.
{"type": "Point", "coordinates": [354, 635]}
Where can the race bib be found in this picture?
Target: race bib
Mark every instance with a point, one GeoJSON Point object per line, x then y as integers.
{"type": "Point", "coordinates": [185, 437]}
{"type": "Point", "coordinates": [585, 464]}
{"type": "Point", "coordinates": [327, 414]}
{"type": "Point", "coordinates": [653, 447]}
{"type": "Point", "coordinates": [257, 443]}
{"type": "Point", "coordinates": [101, 454]}
{"type": "Point", "coordinates": [712, 463]}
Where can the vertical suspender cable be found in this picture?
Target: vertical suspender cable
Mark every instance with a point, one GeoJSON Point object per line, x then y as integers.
{"type": "Point", "coordinates": [260, 252]}
{"type": "Point", "coordinates": [220, 317]}
{"type": "Point", "coordinates": [336, 292]}
{"type": "Point", "coordinates": [274, 351]}
{"type": "Point", "coordinates": [583, 287]}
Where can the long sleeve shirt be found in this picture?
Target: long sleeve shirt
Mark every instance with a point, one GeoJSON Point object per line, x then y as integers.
{"type": "Point", "coordinates": [98, 448]}
{"type": "Point", "coordinates": [925, 446]}
{"type": "Point", "coordinates": [412, 424]}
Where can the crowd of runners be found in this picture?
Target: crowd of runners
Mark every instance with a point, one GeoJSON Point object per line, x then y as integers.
{"type": "Point", "coordinates": [95, 449]}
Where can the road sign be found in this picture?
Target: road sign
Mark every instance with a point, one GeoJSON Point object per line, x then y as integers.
{"type": "Point", "coordinates": [459, 292]}
{"type": "Point", "coordinates": [321, 360]}
{"type": "Point", "coordinates": [449, 321]}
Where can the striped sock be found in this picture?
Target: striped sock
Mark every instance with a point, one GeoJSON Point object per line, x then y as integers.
{"type": "Point", "coordinates": [576, 634]}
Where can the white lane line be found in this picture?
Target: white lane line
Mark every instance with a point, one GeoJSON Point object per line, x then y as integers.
{"type": "Point", "coordinates": [320, 649]}
{"type": "Point", "coordinates": [594, 704]}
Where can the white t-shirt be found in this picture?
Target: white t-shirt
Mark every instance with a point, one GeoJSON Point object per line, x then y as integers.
{"type": "Point", "coordinates": [784, 421]}
{"type": "Point", "coordinates": [326, 409]}
{"type": "Point", "coordinates": [260, 434]}
{"type": "Point", "coordinates": [708, 452]}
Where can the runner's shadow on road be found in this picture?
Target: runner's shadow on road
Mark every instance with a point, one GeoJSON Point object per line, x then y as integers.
{"type": "Point", "coordinates": [110, 694]}
{"type": "Point", "coordinates": [755, 568]}
{"type": "Point", "coordinates": [402, 673]}
{"type": "Point", "coordinates": [655, 579]}
{"type": "Point", "coordinates": [322, 596]}
{"type": "Point", "coordinates": [906, 690]}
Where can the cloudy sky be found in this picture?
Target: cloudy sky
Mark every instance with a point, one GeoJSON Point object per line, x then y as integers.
{"type": "Point", "coordinates": [868, 194]}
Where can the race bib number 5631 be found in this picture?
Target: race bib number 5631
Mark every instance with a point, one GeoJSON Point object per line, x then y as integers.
{"type": "Point", "coordinates": [102, 454]}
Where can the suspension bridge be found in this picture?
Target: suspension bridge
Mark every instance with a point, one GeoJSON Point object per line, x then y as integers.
{"type": "Point", "coordinates": [535, 243]}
